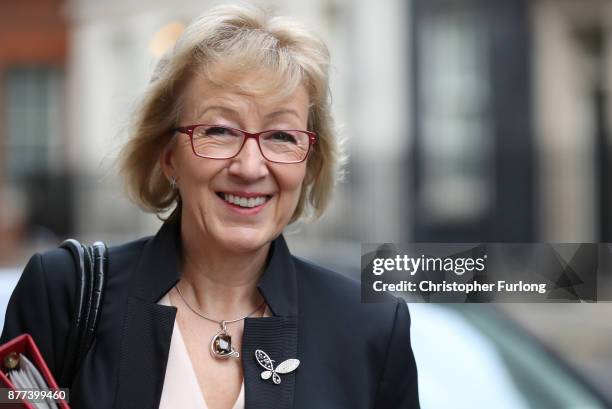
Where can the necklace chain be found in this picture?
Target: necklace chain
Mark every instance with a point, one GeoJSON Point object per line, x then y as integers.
{"type": "Point", "coordinates": [222, 322]}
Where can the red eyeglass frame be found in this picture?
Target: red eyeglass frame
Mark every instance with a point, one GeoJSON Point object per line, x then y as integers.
{"type": "Point", "coordinates": [188, 130]}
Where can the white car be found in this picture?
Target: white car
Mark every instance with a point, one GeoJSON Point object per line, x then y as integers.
{"type": "Point", "coordinates": [8, 281]}
{"type": "Point", "coordinates": [473, 356]}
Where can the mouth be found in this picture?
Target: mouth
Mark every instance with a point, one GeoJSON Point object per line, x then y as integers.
{"type": "Point", "coordinates": [247, 202]}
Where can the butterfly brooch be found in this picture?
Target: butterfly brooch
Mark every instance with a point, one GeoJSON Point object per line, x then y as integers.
{"type": "Point", "coordinates": [268, 364]}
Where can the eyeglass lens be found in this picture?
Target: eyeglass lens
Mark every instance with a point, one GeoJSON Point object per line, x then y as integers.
{"type": "Point", "coordinates": [278, 146]}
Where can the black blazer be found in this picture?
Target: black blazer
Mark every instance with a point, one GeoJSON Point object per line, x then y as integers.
{"type": "Point", "coordinates": [352, 355]}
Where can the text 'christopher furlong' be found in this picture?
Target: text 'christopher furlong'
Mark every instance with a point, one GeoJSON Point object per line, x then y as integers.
{"type": "Point", "coordinates": [444, 286]}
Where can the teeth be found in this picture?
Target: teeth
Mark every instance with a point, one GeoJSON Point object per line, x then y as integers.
{"type": "Point", "coordinates": [243, 201]}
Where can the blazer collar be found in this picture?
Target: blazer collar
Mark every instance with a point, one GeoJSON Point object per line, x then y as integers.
{"type": "Point", "coordinates": [159, 271]}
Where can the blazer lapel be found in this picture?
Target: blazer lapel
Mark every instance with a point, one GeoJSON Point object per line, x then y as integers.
{"type": "Point", "coordinates": [277, 336]}
{"type": "Point", "coordinates": [147, 329]}
{"type": "Point", "coordinates": [144, 354]}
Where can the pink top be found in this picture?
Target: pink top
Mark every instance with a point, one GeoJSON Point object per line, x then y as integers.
{"type": "Point", "coordinates": [181, 388]}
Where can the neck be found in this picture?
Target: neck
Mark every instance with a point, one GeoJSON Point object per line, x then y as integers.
{"type": "Point", "coordinates": [220, 285]}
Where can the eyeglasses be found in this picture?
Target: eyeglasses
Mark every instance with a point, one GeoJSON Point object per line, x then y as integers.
{"type": "Point", "coordinates": [222, 142]}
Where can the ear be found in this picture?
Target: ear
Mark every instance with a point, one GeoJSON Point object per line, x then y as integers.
{"type": "Point", "coordinates": [167, 159]}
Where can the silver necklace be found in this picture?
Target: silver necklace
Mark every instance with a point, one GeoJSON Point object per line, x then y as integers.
{"type": "Point", "coordinates": [221, 343]}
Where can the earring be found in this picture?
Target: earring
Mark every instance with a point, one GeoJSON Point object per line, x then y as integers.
{"type": "Point", "coordinates": [173, 183]}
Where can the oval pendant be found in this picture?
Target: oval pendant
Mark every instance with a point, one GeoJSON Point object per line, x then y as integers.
{"type": "Point", "coordinates": [221, 346]}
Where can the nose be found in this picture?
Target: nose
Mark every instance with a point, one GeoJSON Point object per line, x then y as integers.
{"type": "Point", "coordinates": [249, 164]}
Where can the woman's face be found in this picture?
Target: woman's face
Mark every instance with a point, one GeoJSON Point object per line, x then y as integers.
{"type": "Point", "coordinates": [205, 184]}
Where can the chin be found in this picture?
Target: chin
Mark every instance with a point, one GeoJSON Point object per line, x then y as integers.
{"type": "Point", "coordinates": [244, 239]}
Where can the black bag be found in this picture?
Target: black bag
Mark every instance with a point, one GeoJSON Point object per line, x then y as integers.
{"type": "Point", "coordinates": [91, 266]}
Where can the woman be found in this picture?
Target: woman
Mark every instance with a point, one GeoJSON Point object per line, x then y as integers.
{"type": "Point", "coordinates": [214, 312]}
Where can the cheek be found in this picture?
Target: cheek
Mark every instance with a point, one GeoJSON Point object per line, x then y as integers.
{"type": "Point", "coordinates": [193, 168]}
{"type": "Point", "coordinates": [195, 174]}
{"type": "Point", "coordinates": [290, 184]}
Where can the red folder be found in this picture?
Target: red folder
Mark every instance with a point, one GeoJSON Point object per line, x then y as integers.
{"type": "Point", "coordinates": [24, 344]}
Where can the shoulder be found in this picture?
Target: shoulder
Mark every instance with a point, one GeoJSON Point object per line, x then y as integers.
{"type": "Point", "coordinates": [57, 266]}
{"type": "Point", "coordinates": [130, 247]}
{"type": "Point", "coordinates": [340, 296]}
{"type": "Point", "coordinates": [122, 258]}
{"type": "Point", "coordinates": [50, 277]}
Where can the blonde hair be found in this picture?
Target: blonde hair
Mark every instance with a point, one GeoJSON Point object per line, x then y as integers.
{"type": "Point", "coordinates": [225, 44]}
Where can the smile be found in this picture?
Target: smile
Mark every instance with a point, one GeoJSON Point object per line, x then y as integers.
{"type": "Point", "coordinates": [246, 202]}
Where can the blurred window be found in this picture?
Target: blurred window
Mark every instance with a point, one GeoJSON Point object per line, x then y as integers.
{"type": "Point", "coordinates": [456, 143]}
{"type": "Point", "coordinates": [33, 103]}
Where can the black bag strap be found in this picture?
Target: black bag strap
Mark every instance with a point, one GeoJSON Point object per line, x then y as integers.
{"type": "Point", "coordinates": [91, 266]}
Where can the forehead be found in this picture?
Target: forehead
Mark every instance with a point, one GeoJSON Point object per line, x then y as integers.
{"type": "Point", "coordinates": [252, 92]}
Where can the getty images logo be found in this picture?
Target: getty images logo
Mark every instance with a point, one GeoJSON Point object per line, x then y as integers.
{"type": "Point", "coordinates": [457, 265]}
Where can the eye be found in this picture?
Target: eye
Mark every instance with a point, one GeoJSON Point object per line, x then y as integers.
{"type": "Point", "coordinates": [220, 131]}
{"type": "Point", "coordinates": [279, 136]}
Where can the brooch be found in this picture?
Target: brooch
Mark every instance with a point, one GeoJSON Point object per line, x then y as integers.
{"type": "Point", "coordinates": [268, 364]}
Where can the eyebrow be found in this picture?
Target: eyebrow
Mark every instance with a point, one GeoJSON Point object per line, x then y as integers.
{"type": "Point", "coordinates": [282, 112]}
{"type": "Point", "coordinates": [218, 108]}
{"type": "Point", "coordinates": [235, 113]}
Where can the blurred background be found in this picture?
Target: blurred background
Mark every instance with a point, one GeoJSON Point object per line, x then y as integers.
{"type": "Point", "coordinates": [465, 121]}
